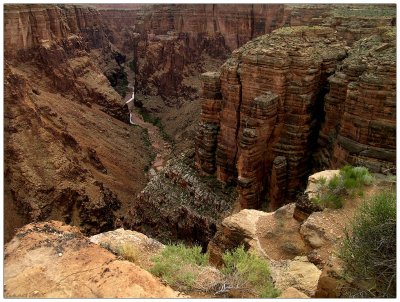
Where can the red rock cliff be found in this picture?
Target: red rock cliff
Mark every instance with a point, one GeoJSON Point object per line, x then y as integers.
{"type": "Point", "coordinates": [271, 92]}
{"type": "Point", "coordinates": [62, 151]}
{"type": "Point", "coordinates": [360, 121]}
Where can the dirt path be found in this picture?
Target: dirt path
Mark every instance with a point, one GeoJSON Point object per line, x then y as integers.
{"type": "Point", "coordinates": [161, 147]}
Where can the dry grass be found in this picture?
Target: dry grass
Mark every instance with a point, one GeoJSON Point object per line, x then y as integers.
{"type": "Point", "coordinates": [128, 252]}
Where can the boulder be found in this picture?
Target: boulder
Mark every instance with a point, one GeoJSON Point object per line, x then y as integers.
{"type": "Point", "coordinates": [273, 235]}
{"type": "Point", "coordinates": [298, 273]}
{"type": "Point", "coordinates": [313, 185]}
{"type": "Point", "coordinates": [292, 293]}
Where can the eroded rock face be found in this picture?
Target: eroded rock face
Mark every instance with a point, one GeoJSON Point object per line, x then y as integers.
{"type": "Point", "coordinates": [65, 41]}
{"type": "Point", "coordinates": [62, 151]}
{"type": "Point", "coordinates": [302, 255]}
{"type": "Point", "coordinates": [272, 96]}
{"type": "Point", "coordinates": [53, 260]}
{"type": "Point", "coordinates": [360, 109]}
{"type": "Point", "coordinates": [292, 293]}
{"type": "Point", "coordinates": [179, 204]}
{"type": "Point", "coordinates": [140, 248]}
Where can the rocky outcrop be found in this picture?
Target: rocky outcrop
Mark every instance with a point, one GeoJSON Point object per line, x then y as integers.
{"type": "Point", "coordinates": [314, 182]}
{"type": "Point", "coordinates": [140, 248]}
{"type": "Point", "coordinates": [211, 105]}
{"type": "Point", "coordinates": [360, 109]}
{"type": "Point", "coordinates": [298, 273]}
{"type": "Point", "coordinates": [292, 293]}
{"type": "Point", "coordinates": [273, 236]}
{"type": "Point", "coordinates": [303, 255]}
{"type": "Point", "coordinates": [179, 204]}
{"type": "Point", "coordinates": [53, 260]}
{"type": "Point", "coordinates": [272, 91]}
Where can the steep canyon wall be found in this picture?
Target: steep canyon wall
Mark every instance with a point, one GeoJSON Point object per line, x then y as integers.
{"type": "Point", "coordinates": [65, 156]}
{"type": "Point", "coordinates": [270, 100]}
{"type": "Point", "coordinates": [171, 42]}
{"type": "Point", "coordinates": [262, 113]}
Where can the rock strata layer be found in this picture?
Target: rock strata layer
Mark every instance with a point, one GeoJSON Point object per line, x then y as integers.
{"type": "Point", "coordinates": [178, 204]}
{"type": "Point", "coordinates": [272, 94]}
{"type": "Point", "coordinates": [360, 108]}
{"type": "Point", "coordinates": [68, 152]}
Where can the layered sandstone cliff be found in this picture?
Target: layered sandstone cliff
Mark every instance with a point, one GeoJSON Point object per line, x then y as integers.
{"type": "Point", "coordinates": [360, 108]}
{"type": "Point", "coordinates": [272, 91]}
{"type": "Point", "coordinates": [214, 30]}
{"type": "Point", "coordinates": [65, 158]}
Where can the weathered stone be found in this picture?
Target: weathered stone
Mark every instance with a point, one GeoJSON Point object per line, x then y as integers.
{"type": "Point", "coordinates": [53, 260]}
{"type": "Point", "coordinates": [314, 182]}
{"type": "Point", "coordinates": [118, 241]}
{"type": "Point", "coordinates": [360, 120]}
{"type": "Point", "coordinates": [207, 134]}
{"type": "Point", "coordinates": [278, 182]}
{"type": "Point", "coordinates": [179, 204]}
{"type": "Point", "coordinates": [292, 293]}
{"type": "Point", "coordinates": [297, 273]}
{"type": "Point", "coordinates": [270, 89]}
{"type": "Point", "coordinates": [271, 235]}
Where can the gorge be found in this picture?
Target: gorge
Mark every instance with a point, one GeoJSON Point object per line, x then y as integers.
{"type": "Point", "coordinates": [236, 105]}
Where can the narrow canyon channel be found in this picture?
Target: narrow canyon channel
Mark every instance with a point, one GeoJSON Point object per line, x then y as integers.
{"type": "Point", "coordinates": [162, 148]}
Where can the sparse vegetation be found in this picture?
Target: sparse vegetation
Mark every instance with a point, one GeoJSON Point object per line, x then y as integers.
{"type": "Point", "coordinates": [247, 272]}
{"type": "Point", "coordinates": [368, 11]}
{"type": "Point", "coordinates": [178, 265]}
{"type": "Point", "coordinates": [132, 65]}
{"type": "Point", "coordinates": [350, 181]}
{"type": "Point", "coordinates": [369, 249]}
{"type": "Point", "coordinates": [146, 140]}
{"type": "Point", "coordinates": [186, 269]}
{"type": "Point", "coordinates": [119, 81]}
{"type": "Point", "coordinates": [128, 252]}
{"type": "Point", "coordinates": [156, 122]}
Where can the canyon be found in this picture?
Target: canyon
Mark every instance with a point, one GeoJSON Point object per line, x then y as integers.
{"type": "Point", "coordinates": [235, 107]}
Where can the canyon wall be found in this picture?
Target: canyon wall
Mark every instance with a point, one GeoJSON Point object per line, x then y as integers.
{"type": "Point", "coordinates": [360, 108]}
{"type": "Point", "coordinates": [65, 156]}
{"type": "Point", "coordinates": [171, 42]}
{"type": "Point", "coordinates": [262, 113]}
{"type": "Point", "coordinates": [271, 98]}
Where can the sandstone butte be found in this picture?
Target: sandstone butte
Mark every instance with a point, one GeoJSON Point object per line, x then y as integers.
{"type": "Point", "coordinates": [265, 119]}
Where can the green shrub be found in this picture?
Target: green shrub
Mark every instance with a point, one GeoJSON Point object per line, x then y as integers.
{"type": "Point", "coordinates": [369, 249]}
{"type": "Point", "coordinates": [156, 121]}
{"type": "Point", "coordinates": [132, 65]}
{"type": "Point", "coordinates": [252, 271]}
{"type": "Point", "coordinates": [351, 180]}
{"type": "Point", "coordinates": [176, 265]}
